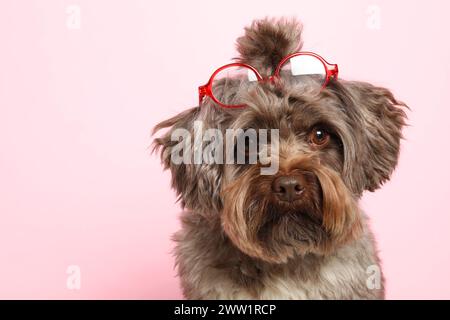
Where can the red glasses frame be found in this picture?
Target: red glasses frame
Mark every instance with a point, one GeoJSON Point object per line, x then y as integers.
{"type": "Point", "coordinates": [332, 71]}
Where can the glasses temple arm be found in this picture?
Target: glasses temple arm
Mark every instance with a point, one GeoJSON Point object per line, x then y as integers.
{"type": "Point", "coordinates": [334, 71]}
{"type": "Point", "coordinates": [202, 92]}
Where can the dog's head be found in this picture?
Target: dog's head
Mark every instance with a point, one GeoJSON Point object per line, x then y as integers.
{"type": "Point", "coordinates": [333, 144]}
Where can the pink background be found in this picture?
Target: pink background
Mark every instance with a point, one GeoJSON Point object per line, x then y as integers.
{"type": "Point", "coordinates": [77, 183]}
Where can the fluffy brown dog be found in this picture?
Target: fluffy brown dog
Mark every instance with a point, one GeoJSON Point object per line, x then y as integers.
{"type": "Point", "coordinates": [298, 234]}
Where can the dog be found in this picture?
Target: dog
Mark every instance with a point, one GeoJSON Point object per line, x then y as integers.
{"type": "Point", "coordinates": [298, 233]}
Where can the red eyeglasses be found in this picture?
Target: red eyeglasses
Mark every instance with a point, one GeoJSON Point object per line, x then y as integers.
{"type": "Point", "coordinates": [298, 68]}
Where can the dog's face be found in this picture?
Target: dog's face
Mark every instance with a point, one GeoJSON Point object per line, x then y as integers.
{"type": "Point", "coordinates": [333, 144]}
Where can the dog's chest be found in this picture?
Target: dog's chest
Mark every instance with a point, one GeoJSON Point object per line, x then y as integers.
{"type": "Point", "coordinates": [334, 279]}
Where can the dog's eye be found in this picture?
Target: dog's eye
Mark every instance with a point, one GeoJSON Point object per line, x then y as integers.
{"type": "Point", "coordinates": [319, 137]}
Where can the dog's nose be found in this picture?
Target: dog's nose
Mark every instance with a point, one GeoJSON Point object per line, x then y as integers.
{"type": "Point", "coordinates": [288, 188]}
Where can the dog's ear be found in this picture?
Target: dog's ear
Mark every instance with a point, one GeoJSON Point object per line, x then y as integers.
{"type": "Point", "coordinates": [377, 122]}
{"type": "Point", "coordinates": [164, 144]}
{"type": "Point", "coordinates": [267, 41]}
{"type": "Point", "coordinates": [197, 185]}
